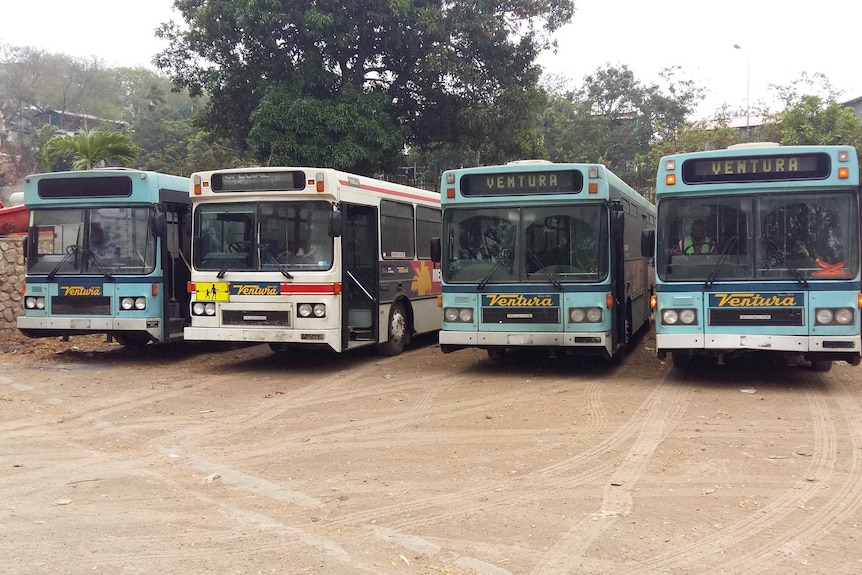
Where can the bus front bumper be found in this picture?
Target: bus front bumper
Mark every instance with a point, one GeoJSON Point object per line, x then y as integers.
{"type": "Point", "coordinates": [59, 326]}
{"type": "Point", "coordinates": [330, 338]}
{"type": "Point", "coordinates": [460, 339]}
{"type": "Point", "coordinates": [846, 348]}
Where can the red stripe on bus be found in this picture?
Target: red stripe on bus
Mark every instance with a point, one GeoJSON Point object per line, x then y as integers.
{"type": "Point", "coordinates": [390, 192]}
{"type": "Point", "coordinates": [293, 288]}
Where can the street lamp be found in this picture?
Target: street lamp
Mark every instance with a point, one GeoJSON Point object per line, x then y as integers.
{"type": "Point", "coordinates": [747, 88]}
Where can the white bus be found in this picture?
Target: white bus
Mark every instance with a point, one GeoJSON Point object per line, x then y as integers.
{"type": "Point", "coordinates": [298, 256]}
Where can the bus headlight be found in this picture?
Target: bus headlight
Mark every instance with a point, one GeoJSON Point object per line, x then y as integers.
{"type": "Point", "coordinates": [823, 316]}
{"type": "Point", "coordinates": [304, 310]}
{"type": "Point", "coordinates": [33, 302]}
{"type": "Point", "coordinates": [585, 314]}
{"type": "Point", "coordinates": [458, 314]}
{"type": "Point", "coordinates": [834, 316]}
{"type": "Point", "coordinates": [688, 316]}
{"type": "Point", "coordinates": [138, 303]}
{"type": "Point", "coordinates": [319, 310]}
{"type": "Point", "coordinates": [201, 308]}
{"type": "Point", "coordinates": [844, 316]}
{"type": "Point", "coordinates": [682, 316]}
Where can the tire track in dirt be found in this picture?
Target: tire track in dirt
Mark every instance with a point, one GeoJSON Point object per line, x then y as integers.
{"type": "Point", "coordinates": [845, 499]}
{"type": "Point", "coordinates": [668, 407]}
{"type": "Point", "coordinates": [527, 488]}
{"type": "Point", "coordinates": [712, 551]}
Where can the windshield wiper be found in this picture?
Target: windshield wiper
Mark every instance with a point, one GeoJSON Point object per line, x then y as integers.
{"type": "Point", "coordinates": [717, 268]}
{"type": "Point", "coordinates": [281, 267]}
{"type": "Point", "coordinates": [71, 250]}
{"type": "Point", "coordinates": [233, 258]}
{"type": "Point", "coordinates": [505, 256]}
{"type": "Point", "coordinates": [549, 275]}
{"type": "Point", "coordinates": [99, 265]}
{"type": "Point", "coordinates": [800, 279]}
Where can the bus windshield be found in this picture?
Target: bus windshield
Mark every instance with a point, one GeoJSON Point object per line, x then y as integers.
{"type": "Point", "coordinates": [561, 244]}
{"type": "Point", "coordinates": [793, 236]}
{"type": "Point", "coordinates": [107, 241]}
{"type": "Point", "coordinates": [263, 236]}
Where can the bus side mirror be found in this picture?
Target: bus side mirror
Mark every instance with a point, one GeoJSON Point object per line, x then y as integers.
{"type": "Point", "coordinates": [160, 225]}
{"type": "Point", "coordinates": [647, 243]}
{"type": "Point", "coordinates": [436, 250]}
{"type": "Point", "coordinates": [336, 224]}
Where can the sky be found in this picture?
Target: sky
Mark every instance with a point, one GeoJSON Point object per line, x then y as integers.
{"type": "Point", "coordinates": [778, 40]}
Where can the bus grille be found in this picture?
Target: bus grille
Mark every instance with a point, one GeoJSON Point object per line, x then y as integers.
{"type": "Point", "coordinates": [81, 305]}
{"type": "Point", "coordinates": [757, 316]}
{"type": "Point", "coordinates": [256, 317]}
{"type": "Point", "coordinates": [521, 315]}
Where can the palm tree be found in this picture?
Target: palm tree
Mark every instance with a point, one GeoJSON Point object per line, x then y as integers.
{"type": "Point", "coordinates": [89, 148]}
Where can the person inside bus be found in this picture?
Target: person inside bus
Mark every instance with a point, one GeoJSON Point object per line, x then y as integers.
{"type": "Point", "coordinates": [696, 242]}
{"type": "Point", "coordinates": [100, 246]}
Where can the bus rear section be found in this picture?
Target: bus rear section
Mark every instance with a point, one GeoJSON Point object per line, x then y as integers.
{"type": "Point", "coordinates": [312, 257]}
{"type": "Point", "coordinates": [757, 250]}
{"type": "Point", "coordinates": [106, 252]}
{"type": "Point", "coordinates": [542, 256]}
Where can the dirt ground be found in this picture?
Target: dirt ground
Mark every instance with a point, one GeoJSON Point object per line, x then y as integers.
{"type": "Point", "coordinates": [190, 459]}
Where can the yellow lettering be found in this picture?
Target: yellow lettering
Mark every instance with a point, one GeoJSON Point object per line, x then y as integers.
{"type": "Point", "coordinates": [740, 167]}
{"type": "Point", "coordinates": [794, 165]}
{"type": "Point", "coordinates": [779, 164]}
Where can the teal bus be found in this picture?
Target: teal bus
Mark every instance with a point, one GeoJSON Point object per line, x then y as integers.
{"type": "Point", "coordinates": [757, 250]}
{"type": "Point", "coordinates": [543, 256]}
{"type": "Point", "coordinates": [107, 251]}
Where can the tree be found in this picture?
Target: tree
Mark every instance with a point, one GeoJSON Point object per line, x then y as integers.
{"type": "Point", "coordinates": [814, 120]}
{"type": "Point", "coordinates": [89, 148]}
{"type": "Point", "coordinates": [616, 120]}
{"type": "Point", "coordinates": [424, 72]}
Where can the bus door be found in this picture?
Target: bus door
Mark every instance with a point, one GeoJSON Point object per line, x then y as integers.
{"type": "Point", "coordinates": [619, 330]}
{"type": "Point", "coordinates": [360, 293]}
{"type": "Point", "coordinates": [176, 262]}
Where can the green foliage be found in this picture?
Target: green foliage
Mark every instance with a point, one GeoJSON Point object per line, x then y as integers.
{"type": "Point", "coordinates": [350, 131]}
{"type": "Point", "coordinates": [813, 120]}
{"type": "Point", "coordinates": [89, 148]}
{"type": "Point", "coordinates": [616, 120]}
{"type": "Point", "coordinates": [447, 70]}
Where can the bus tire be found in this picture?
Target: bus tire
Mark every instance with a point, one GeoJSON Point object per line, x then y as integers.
{"type": "Point", "coordinates": [821, 364]}
{"type": "Point", "coordinates": [398, 331]}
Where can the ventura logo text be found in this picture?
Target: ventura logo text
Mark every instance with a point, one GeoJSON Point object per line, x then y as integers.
{"type": "Point", "coordinates": [81, 290]}
{"type": "Point", "coordinates": [518, 300]}
{"type": "Point", "coordinates": [755, 300]}
{"type": "Point", "coordinates": [255, 290]}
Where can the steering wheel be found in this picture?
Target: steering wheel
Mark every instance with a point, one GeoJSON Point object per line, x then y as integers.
{"type": "Point", "coordinates": [236, 246]}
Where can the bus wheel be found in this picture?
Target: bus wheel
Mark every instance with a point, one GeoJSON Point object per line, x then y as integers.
{"type": "Point", "coordinates": [821, 364]}
{"type": "Point", "coordinates": [680, 359]}
{"type": "Point", "coordinates": [398, 334]}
